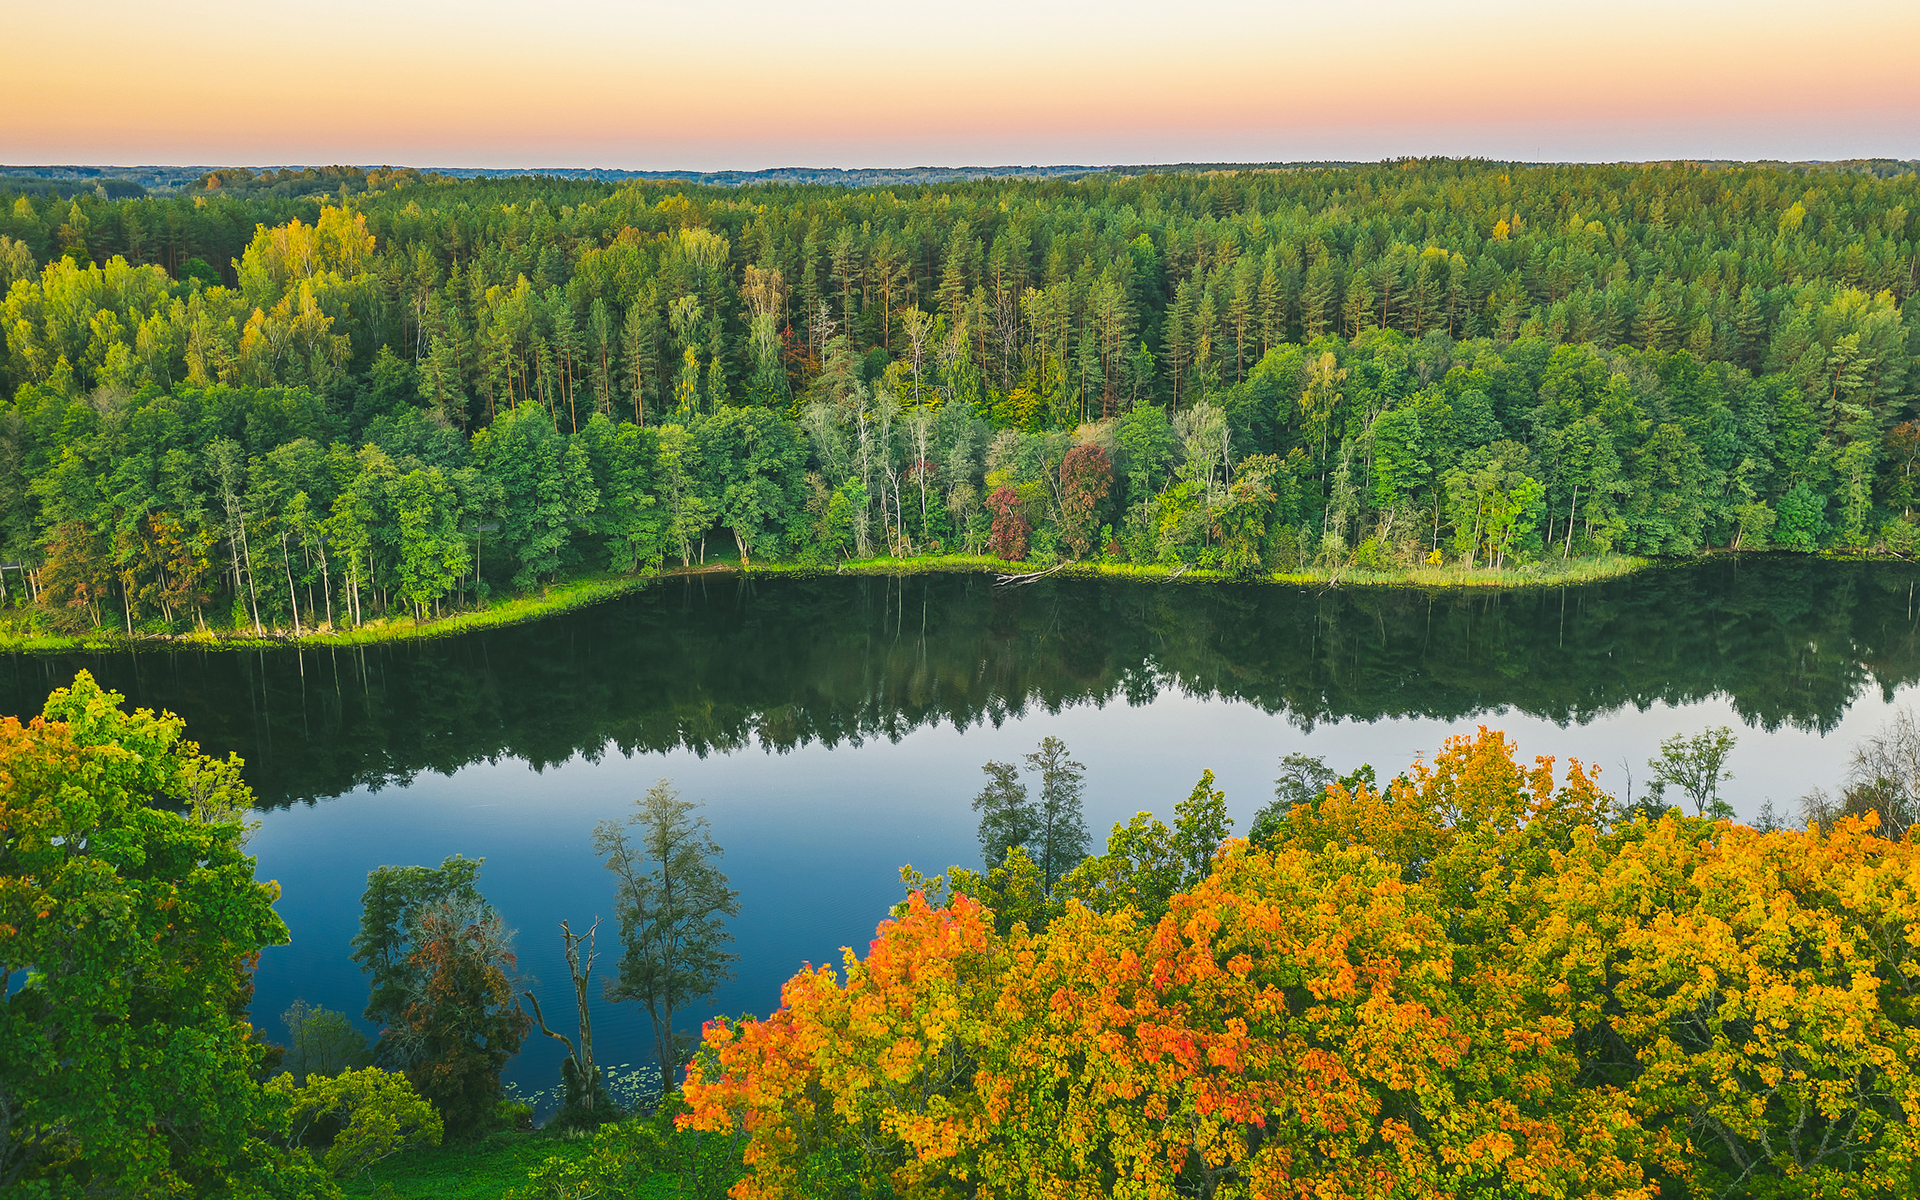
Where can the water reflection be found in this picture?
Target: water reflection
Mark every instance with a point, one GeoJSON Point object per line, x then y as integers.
{"type": "Point", "coordinates": [717, 664]}
{"type": "Point", "coordinates": [503, 739]}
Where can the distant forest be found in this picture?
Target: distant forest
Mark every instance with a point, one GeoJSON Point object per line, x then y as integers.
{"type": "Point", "coordinates": [295, 398]}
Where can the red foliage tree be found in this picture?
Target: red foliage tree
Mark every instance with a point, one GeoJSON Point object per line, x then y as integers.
{"type": "Point", "coordinates": [1010, 529]}
{"type": "Point", "coordinates": [463, 1025]}
{"type": "Point", "coordinates": [1086, 475]}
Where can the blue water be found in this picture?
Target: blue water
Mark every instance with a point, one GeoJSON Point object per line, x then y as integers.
{"type": "Point", "coordinates": [508, 746]}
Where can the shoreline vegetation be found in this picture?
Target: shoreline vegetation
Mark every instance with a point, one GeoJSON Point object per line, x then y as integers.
{"type": "Point", "coordinates": [590, 588]}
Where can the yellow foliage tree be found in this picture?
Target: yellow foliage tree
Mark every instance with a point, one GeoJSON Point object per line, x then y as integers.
{"type": "Point", "coordinates": [1477, 980]}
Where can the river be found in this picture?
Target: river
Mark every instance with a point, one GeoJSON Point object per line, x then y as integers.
{"type": "Point", "coordinates": [835, 728]}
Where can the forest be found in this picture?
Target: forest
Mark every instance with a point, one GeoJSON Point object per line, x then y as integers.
{"type": "Point", "coordinates": [324, 398]}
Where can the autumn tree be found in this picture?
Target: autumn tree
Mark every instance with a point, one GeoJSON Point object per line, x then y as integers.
{"type": "Point", "coordinates": [1008, 539]}
{"type": "Point", "coordinates": [1086, 474]}
{"type": "Point", "coordinates": [440, 962]}
{"type": "Point", "coordinates": [462, 1023]}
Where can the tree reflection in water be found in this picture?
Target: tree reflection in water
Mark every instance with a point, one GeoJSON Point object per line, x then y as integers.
{"type": "Point", "coordinates": [716, 664]}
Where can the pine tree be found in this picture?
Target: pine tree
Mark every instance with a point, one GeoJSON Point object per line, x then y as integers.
{"type": "Point", "coordinates": [1319, 299]}
{"type": "Point", "coordinates": [1176, 338]}
{"type": "Point", "coordinates": [640, 348]}
{"type": "Point", "coordinates": [1273, 304]}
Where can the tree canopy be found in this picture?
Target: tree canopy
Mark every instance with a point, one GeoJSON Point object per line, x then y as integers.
{"type": "Point", "coordinates": [415, 389]}
{"type": "Point", "coordinates": [1474, 979]}
{"type": "Point", "coordinates": [130, 920]}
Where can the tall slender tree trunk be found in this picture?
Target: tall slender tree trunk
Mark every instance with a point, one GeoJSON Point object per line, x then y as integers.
{"type": "Point", "coordinates": [326, 582]}
{"type": "Point", "coordinates": [1570, 510]}
{"type": "Point", "coordinates": [253, 596]}
{"type": "Point", "coordinates": [293, 599]}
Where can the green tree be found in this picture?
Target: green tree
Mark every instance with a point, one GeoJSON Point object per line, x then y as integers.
{"type": "Point", "coordinates": [755, 464]}
{"type": "Point", "coordinates": [129, 913]}
{"type": "Point", "coordinates": [374, 1115]}
{"type": "Point", "coordinates": [672, 902]}
{"type": "Point", "coordinates": [1060, 841]}
{"type": "Point", "coordinates": [1800, 518]}
{"type": "Point", "coordinates": [1200, 827]}
{"type": "Point", "coordinates": [1240, 514]}
{"type": "Point", "coordinates": [545, 485]}
{"type": "Point", "coordinates": [1303, 779]}
{"type": "Point", "coordinates": [1008, 817]}
{"type": "Point", "coordinates": [1141, 869]}
{"type": "Point", "coordinates": [1494, 502]}
{"type": "Point", "coordinates": [361, 523]}
{"type": "Point", "coordinates": [1696, 766]}
{"type": "Point", "coordinates": [624, 460]}
{"type": "Point", "coordinates": [432, 550]}
{"type": "Point", "coordinates": [1147, 437]}
{"type": "Point", "coordinates": [1146, 864]}
{"type": "Point", "coordinates": [689, 509]}
{"type": "Point", "coordinates": [322, 1042]}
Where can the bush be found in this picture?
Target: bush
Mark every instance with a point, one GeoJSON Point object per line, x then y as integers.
{"type": "Point", "coordinates": [376, 1113]}
{"type": "Point", "coordinates": [630, 1157]}
{"type": "Point", "coordinates": [1900, 537]}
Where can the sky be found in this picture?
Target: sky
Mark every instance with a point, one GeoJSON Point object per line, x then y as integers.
{"type": "Point", "coordinates": [747, 84]}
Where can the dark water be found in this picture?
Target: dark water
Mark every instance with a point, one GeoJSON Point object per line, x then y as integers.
{"type": "Point", "coordinates": [836, 726]}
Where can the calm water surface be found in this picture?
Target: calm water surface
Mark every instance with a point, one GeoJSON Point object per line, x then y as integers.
{"type": "Point", "coordinates": [835, 727]}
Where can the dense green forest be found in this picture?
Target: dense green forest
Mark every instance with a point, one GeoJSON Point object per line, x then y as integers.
{"type": "Point", "coordinates": [308, 398]}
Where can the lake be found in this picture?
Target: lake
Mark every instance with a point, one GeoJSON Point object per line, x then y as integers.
{"type": "Point", "coordinates": [835, 728]}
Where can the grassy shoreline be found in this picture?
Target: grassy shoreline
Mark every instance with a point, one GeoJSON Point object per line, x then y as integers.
{"type": "Point", "coordinates": [1547, 573]}
{"type": "Point", "coordinates": [592, 588]}
{"type": "Point", "coordinates": [560, 597]}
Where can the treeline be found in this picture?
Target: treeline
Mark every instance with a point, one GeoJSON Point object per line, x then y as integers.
{"type": "Point", "coordinates": [1357, 367]}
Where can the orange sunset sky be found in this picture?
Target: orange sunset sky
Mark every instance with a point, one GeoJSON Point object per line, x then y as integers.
{"type": "Point", "coordinates": [757, 83]}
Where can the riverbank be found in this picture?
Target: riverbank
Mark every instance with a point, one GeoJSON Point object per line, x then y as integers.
{"type": "Point", "coordinates": [561, 597]}
{"type": "Point", "coordinates": [595, 587]}
{"type": "Point", "coordinates": [1546, 573]}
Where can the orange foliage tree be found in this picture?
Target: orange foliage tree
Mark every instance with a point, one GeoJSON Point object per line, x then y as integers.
{"type": "Point", "coordinates": [1475, 980]}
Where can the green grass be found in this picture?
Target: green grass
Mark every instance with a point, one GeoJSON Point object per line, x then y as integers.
{"type": "Point", "coordinates": [1547, 572]}
{"type": "Point", "coordinates": [567, 594]}
{"type": "Point", "coordinates": [1551, 571]}
{"type": "Point", "coordinates": [485, 1170]}
{"type": "Point", "coordinates": [592, 587]}
{"type": "Point", "coordinates": [560, 597]}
